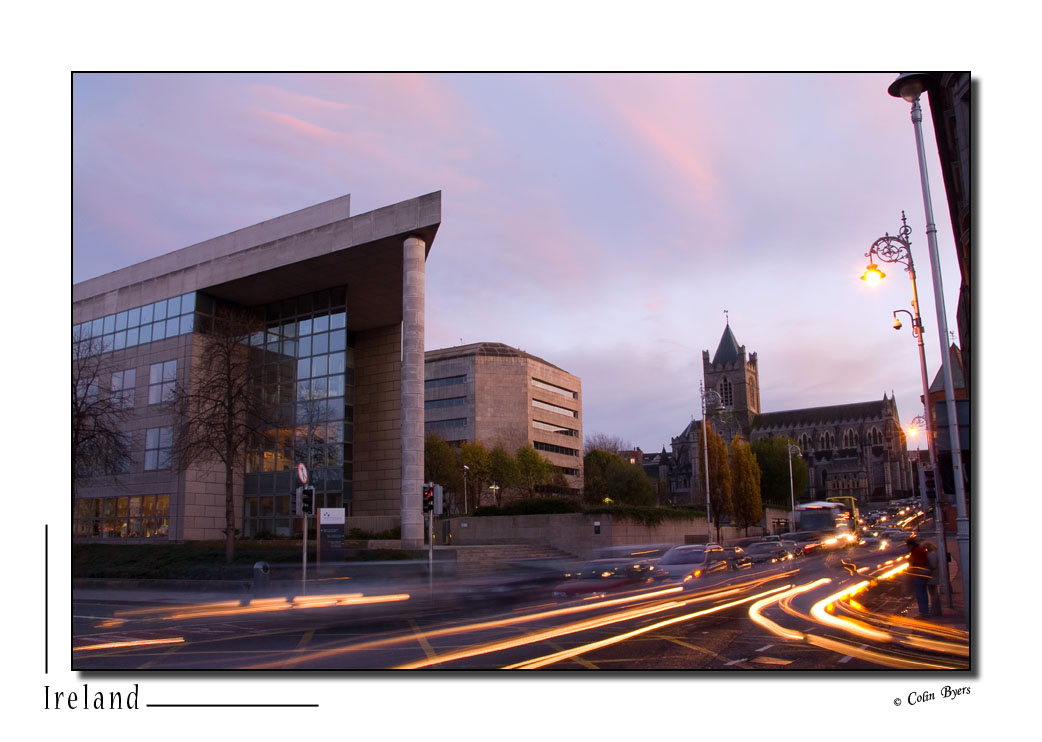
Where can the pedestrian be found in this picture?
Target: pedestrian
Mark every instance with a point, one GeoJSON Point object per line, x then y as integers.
{"type": "Point", "coordinates": [933, 585]}
{"type": "Point", "coordinates": [919, 571]}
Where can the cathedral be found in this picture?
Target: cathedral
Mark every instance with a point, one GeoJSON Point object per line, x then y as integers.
{"type": "Point", "coordinates": [853, 449]}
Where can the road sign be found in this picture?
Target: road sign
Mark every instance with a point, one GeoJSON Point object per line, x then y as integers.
{"type": "Point", "coordinates": [302, 473]}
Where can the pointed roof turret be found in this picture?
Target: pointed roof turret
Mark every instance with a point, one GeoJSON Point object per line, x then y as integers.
{"type": "Point", "coordinates": [958, 378]}
{"type": "Point", "coordinates": [727, 350]}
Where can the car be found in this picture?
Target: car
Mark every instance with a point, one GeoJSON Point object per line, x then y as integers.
{"type": "Point", "coordinates": [737, 558]}
{"type": "Point", "coordinates": [768, 552]}
{"type": "Point", "coordinates": [771, 539]}
{"type": "Point", "coordinates": [743, 542]}
{"type": "Point", "coordinates": [608, 575]}
{"type": "Point", "coordinates": [792, 547]}
{"type": "Point", "coordinates": [649, 552]}
{"type": "Point", "coordinates": [693, 561]}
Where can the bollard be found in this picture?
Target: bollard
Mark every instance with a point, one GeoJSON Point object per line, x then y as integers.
{"type": "Point", "coordinates": [260, 576]}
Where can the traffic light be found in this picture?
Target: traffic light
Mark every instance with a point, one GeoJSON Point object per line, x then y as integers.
{"type": "Point", "coordinates": [931, 483]}
{"type": "Point", "coordinates": [308, 501]}
{"type": "Point", "coordinates": [295, 500]}
{"type": "Point", "coordinates": [428, 498]}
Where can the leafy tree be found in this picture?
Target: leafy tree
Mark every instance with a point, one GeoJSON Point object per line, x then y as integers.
{"type": "Point", "coordinates": [773, 459]}
{"type": "Point", "coordinates": [719, 475]}
{"type": "Point", "coordinates": [479, 467]}
{"type": "Point", "coordinates": [609, 479]}
{"type": "Point", "coordinates": [221, 408]}
{"type": "Point", "coordinates": [533, 470]}
{"type": "Point", "coordinates": [502, 471]}
{"type": "Point", "coordinates": [441, 465]}
{"type": "Point", "coordinates": [745, 485]}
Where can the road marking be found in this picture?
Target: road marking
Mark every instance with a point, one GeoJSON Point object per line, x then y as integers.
{"type": "Point", "coordinates": [848, 658]}
{"type": "Point", "coordinates": [771, 661]}
{"type": "Point", "coordinates": [735, 662]}
{"type": "Point", "coordinates": [304, 640]}
{"type": "Point", "coordinates": [764, 647]}
{"type": "Point", "coordinates": [428, 650]}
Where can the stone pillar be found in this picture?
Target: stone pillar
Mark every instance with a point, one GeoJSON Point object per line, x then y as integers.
{"type": "Point", "coordinates": [413, 276]}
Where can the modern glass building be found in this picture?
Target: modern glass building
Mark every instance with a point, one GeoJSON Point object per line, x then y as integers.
{"type": "Point", "coordinates": [338, 355]}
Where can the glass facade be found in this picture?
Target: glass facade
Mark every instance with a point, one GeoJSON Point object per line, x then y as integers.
{"type": "Point", "coordinates": [306, 370]}
{"type": "Point", "coordinates": [145, 516]}
{"type": "Point", "coordinates": [156, 321]}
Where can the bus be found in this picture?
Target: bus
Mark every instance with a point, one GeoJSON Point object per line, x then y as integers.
{"type": "Point", "coordinates": [849, 503]}
{"type": "Point", "coordinates": [829, 521]}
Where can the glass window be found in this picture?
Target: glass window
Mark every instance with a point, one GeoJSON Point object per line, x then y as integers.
{"type": "Point", "coordinates": [132, 337]}
{"type": "Point", "coordinates": [336, 386]}
{"type": "Point", "coordinates": [337, 320]}
{"type": "Point", "coordinates": [305, 327]}
{"type": "Point", "coordinates": [336, 363]}
{"type": "Point", "coordinates": [121, 321]}
{"type": "Point", "coordinates": [123, 387]}
{"type": "Point", "coordinates": [303, 368]}
{"type": "Point", "coordinates": [173, 326]}
{"type": "Point", "coordinates": [159, 310]}
{"type": "Point", "coordinates": [304, 347]}
{"type": "Point", "coordinates": [321, 323]}
{"type": "Point", "coordinates": [146, 314]}
{"type": "Point", "coordinates": [187, 323]}
{"type": "Point", "coordinates": [320, 343]}
{"type": "Point", "coordinates": [319, 365]}
{"type": "Point", "coordinates": [319, 387]}
{"type": "Point", "coordinates": [187, 302]}
{"type": "Point", "coordinates": [97, 327]}
{"type": "Point", "coordinates": [144, 334]}
{"type": "Point", "coordinates": [157, 448]}
{"type": "Point", "coordinates": [110, 324]}
{"type": "Point", "coordinates": [338, 340]}
{"type": "Point", "coordinates": [119, 341]}
{"type": "Point", "coordinates": [173, 306]}
{"type": "Point", "coordinates": [161, 380]}
{"type": "Point", "coordinates": [158, 330]}
{"type": "Point", "coordinates": [134, 317]}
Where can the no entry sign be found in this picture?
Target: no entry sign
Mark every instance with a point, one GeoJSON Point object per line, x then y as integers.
{"type": "Point", "coordinates": [302, 473]}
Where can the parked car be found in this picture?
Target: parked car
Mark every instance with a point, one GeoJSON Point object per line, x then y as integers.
{"type": "Point", "coordinates": [692, 562]}
{"type": "Point", "coordinates": [792, 547]}
{"type": "Point", "coordinates": [767, 552]}
{"type": "Point", "coordinates": [608, 575]}
{"type": "Point", "coordinates": [737, 558]}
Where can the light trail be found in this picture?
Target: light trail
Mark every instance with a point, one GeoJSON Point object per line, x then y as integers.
{"type": "Point", "coordinates": [568, 653]}
{"type": "Point", "coordinates": [756, 615]}
{"type": "Point", "coordinates": [124, 645]}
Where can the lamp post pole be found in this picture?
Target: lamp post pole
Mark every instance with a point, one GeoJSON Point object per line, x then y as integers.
{"type": "Point", "coordinates": [910, 86]}
{"type": "Point", "coordinates": [465, 470]}
{"type": "Point", "coordinates": [705, 394]}
{"type": "Point", "coordinates": [792, 449]}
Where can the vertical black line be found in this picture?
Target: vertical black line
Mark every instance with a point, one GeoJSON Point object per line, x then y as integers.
{"type": "Point", "coordinates": [46, 599]}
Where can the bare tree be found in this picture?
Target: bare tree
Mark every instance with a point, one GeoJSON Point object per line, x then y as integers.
{"type": "Point", "coordinates": [220, 408]}
{"type": "Point", "coordinates": [605, 442]}
{"type": "Point", "coordinates": [99, 445]}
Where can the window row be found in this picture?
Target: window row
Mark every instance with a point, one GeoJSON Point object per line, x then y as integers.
{"type": "Point", "coordinates": [156, 321]}
{"type": "Point", "coordinates": [435, 404]}
{"type": "Point", "coordinates": [146, 516]}
{"type": "Point", "coordinates": [321, 365]}
{"type": "Point", "coordinates": [826, 440]}
{"type": "Point", "coordinates": [445, 426]}
{"type": "Point", "coordinates": [327, 301]}
{"type": "Point", "coordinates": [551, 448]}
{"type": "Point", "coordinates": [323, 479]}
{"type": "Point", "coordinates": [551, 428]}
{"type": "Point", "coordinates": [323, 342]}
{"type": "Point", "coordinates": [554, 408]}
{"type": "Point", "coordinates": [444, 381]}
{"type": "Point", "coordinates": [555, 389]}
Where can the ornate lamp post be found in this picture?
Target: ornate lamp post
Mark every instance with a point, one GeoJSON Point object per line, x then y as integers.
{"type": "Point", "coordinates": [898, 249]}
{"type": "Point", "coordinates": [465, 470]}
{"type": "Point", "coordinates": [909, 86]}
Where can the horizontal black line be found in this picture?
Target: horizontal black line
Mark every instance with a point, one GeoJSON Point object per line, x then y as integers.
{"type": "Point", "coordinates": [232, 705]}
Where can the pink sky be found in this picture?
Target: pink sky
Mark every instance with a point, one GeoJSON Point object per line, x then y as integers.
{"type": "Point", "coordinates": [602, 222]}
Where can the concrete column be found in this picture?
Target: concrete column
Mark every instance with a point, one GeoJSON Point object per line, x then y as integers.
{"type": "Point", "coordinates": [413, 292]}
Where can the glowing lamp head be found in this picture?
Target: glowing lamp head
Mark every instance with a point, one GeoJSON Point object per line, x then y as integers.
{"type": "Point", "coordinates": [897, 323]}
{"type": "Point", "coordinates": [872, 274]}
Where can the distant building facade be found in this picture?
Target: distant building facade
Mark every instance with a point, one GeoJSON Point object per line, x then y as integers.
{"type": "Point", "coordinates": [854, 449]}
{"type": "Point", "coordinates": [498, 395]}
{"type": "Point", "coordinates": [340, 301]}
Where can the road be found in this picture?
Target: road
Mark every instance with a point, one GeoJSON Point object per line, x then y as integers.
{"type": "Point", "coordinates": [813, 613]}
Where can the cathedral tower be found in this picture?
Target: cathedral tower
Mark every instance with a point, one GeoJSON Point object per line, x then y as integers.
{"type": "Point", "coordinates": [735, 378]}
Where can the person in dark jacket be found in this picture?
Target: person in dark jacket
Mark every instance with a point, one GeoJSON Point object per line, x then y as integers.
{"type": "Point", "coordinates": [919, 570]}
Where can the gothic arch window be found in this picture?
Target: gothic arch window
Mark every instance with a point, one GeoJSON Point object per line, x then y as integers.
{"type": "Point", "coordinates": [727, 393]}
{"type": "Point", "coordinates": [876, 436]}
{"type": "Point", "coordinates": [827, 441]}
{"type": "Point", "coordinates": [804, 441]}
{"type": "Point", "coordinates": [849, 438]}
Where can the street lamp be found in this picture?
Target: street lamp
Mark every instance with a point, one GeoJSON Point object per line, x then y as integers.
{"type": "Point", "coordinates": [465, 470]}
{"type": "Point", "coordinates": [708, 394]}
{"type": "Point", "coordinates": [909, 86]}
{"type": "Point", "coordinates": [495, 492]}
{"type": "Point", "coordinates": [792, 449]}
{"type": "Point", "coordinates": [898, 249]}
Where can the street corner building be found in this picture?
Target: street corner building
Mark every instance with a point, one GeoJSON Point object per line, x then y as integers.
{"type": "Point", "coordinates": [339, 306]}
{"type": "Point", "coordinates": [499, 395]}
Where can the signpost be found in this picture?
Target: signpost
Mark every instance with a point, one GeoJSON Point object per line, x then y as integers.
{"type": "Point", "coordinates": [331, 534]}
{"type": "Point", "coordinates": [302, 475]}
